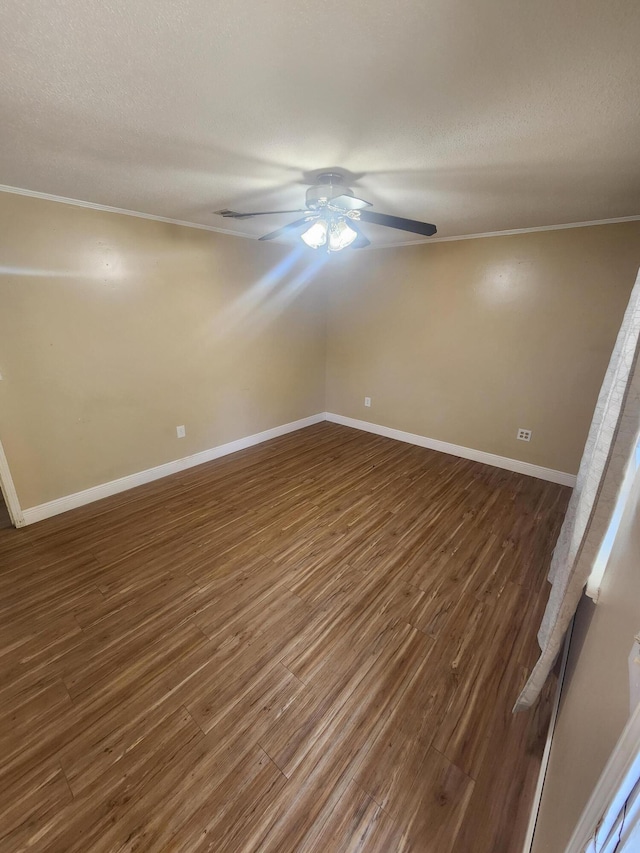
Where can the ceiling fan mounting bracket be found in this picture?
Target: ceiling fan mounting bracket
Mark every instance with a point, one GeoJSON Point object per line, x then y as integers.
{"type": "Point", "coordinates": [328, 178]}
{"type": "Point", "coordinates": [329, 186]}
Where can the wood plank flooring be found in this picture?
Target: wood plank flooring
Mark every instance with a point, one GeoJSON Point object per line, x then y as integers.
{"type": "Point", "coordinates": [312, 645]}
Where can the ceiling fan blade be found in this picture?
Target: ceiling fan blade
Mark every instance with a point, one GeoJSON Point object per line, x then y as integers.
{"type": "Point", "coordinates": [286, 228]}
{"type": "Point", "coordinates": [349, 202]}
{"type": "Point", "coordinates": [232, 214]}
{"type": "Point", "coordinates": [398, 222]}
{"type": "Point", "coordinates": [361, 242]}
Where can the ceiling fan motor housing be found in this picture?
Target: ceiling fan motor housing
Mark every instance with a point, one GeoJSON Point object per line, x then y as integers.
{"type": "Point", "coordinates": [329, 186]}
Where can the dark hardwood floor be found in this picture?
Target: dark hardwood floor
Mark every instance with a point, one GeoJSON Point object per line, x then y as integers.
{"type": "Point", "coordinates": [312, 645]}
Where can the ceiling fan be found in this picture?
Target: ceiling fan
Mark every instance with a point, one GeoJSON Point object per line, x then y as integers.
{"type": "Point", "coordinates": [333, 214]}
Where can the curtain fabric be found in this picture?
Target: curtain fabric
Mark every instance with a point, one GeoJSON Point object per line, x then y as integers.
{"type": "Point", "coordinates": [619, 830]}
{"type": "Point", "coordinates": [610, 445]}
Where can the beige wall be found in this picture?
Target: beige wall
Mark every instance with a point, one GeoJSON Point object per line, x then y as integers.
{"type": "Point", "coordinates": [115, 329]}
{"type": "Point", "coordinates": [595, 700]}
{"type": "Point", "coordinates": [466, 341]}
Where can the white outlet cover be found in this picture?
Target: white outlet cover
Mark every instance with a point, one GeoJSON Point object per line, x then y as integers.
{"type": "Point", "coordinates": [524, 434]}
{"type": "Point", "coordinates": [367, 402]}
{"type": "Point", "coordinates": [181, 431]}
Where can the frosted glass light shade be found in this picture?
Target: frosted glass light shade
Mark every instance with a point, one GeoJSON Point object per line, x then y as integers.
{"type": "Point", "coordinates": [341, 235]}
{"type": "Point", "coordinates": [316, 235]}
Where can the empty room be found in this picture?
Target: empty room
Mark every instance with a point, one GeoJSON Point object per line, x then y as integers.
{"type": "Point", "coordinates": [319, 426]}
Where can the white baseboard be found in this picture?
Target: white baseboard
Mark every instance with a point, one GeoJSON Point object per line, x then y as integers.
{"type": "Point", "coordinates": [105, 490]}
{"type": "Point", "coordinates": [516, 465]}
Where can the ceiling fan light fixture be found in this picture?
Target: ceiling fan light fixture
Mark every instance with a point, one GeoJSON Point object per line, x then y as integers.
{"type": "Point", "coordinates": [316, 236]}
{"type": "Point", "coordinates": [341, 235]}
{"type": "Point", "coordinates": [331, 214]}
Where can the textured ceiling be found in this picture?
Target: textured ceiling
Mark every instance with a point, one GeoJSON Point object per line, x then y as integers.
{"type": "Point", "coordinates": [478, 116]}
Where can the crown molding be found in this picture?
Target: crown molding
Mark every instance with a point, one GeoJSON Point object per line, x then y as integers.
{"type": "Point", "coordinates": [509, 232]}
{"type": "Point", "coordinates": [105, 208]}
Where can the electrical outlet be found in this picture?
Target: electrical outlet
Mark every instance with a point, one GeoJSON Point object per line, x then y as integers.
{"type": "Point", "coordinates": [524, 435]}
{"type": "Point", "coordinates": [367, 402]}
{"type": "Point", "coordinates": [181, 431]}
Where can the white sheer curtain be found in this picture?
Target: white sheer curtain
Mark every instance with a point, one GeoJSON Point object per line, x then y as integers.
{"type": "Point", "coordinates": [610, 445]}
{"type": "Point", "coordinates": [619, 831]}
